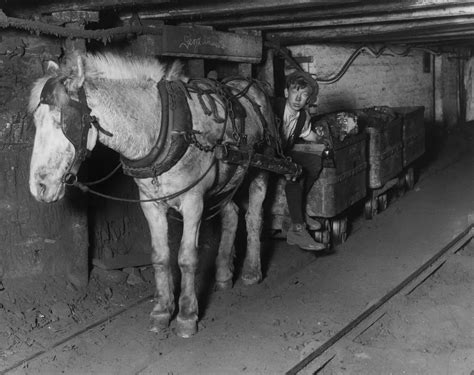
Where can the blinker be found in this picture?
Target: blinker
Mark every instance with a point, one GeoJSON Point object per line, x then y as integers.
{"type": "Point", "coordinates": [75, 120]}
{"type": "Point", "coordinates": [54, 92]}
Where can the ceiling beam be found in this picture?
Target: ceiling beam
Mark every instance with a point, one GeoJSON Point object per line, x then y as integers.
{"type": "Point", "coordinates": [28, 7]}
{"type": "Point", "coordinates": [434, 35]}
{"type": "Point", "coordinates": [423, 14]}
{"type": "Point", "coordinates": [234, 8]}
{"type": "Point", "coordinates": [369, 31]}
{"type": "Point", "coordinates": [431, 36]}
{"type": "Point", "coordinates": [335, 10]}
{"type": "Point", "coordinates": [446, 40]}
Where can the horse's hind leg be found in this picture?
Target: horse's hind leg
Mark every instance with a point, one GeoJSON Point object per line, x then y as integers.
{"type": "Point", "coordinates": [186, 321]}
{"type": "Point", "coordinates": [252, 273]}
{"type": "Point", "coordinates": [225, 255]}
{"type": "Point", "coordinates": [164, 307]}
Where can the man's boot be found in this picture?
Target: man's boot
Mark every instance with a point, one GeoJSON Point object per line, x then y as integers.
{"type": "Point", "coordinates": [298, 235]}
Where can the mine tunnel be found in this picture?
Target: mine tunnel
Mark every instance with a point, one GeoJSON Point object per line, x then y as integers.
{"type": "Point", "coordinates": [381, 284]}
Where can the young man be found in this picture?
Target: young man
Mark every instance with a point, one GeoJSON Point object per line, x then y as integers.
{"type": "Point", "coordinates": [300, 90]}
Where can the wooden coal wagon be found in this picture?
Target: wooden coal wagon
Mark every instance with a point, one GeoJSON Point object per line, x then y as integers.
{"type": "Point", "coordinates": [413, 139]}
{"type": "Point", "coordinates": [396, 140]}
{"type": "Point", "coordinates": [341, 184]}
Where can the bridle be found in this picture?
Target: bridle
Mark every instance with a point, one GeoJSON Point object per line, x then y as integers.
{"type": "Point", "coordinates": [75, 121]}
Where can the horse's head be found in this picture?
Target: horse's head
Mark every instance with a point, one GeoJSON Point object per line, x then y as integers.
{"type": "Point", "coordinates": [63, 131]}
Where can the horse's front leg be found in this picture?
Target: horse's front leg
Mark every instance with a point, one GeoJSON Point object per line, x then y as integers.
{"type": "Point", "coordinates": [155, 214]}
{"type": "Point", "coordinates": [252, 273]}
{"type": "Point", "coordinates": [186, 321]}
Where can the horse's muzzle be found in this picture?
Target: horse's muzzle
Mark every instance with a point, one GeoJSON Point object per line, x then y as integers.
{"type": "Point", "coordinates": [45, 192]}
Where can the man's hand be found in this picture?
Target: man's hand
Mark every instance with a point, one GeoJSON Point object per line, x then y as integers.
{"type": "Point", "coordinates": [311, 137]}
{"type": "Point", "coordinates": [290, 177]}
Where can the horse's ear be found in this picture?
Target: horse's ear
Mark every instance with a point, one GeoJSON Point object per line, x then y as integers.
{"type": "Point", "coordinates": [77, 80]}
{"type": "Point", "coordinates": [51, 68]}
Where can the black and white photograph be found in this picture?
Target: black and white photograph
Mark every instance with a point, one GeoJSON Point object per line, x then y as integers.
{"type": "Point", "coordinates": [223, 187]}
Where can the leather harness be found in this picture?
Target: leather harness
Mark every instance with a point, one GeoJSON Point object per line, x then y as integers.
{"type": "Point", "coordinates": [176, 130]}
{"type": "Point", "coordinates": [172, 142]}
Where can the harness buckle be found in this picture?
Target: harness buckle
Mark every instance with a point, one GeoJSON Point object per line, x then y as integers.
{"type": "Point", "coordinates": [70, 179]}
{"type": "Point", "coordinates": [221, 151]}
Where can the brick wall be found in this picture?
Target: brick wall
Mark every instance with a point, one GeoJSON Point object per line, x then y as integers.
{"type": "Point", "coordinates": [386, 80]}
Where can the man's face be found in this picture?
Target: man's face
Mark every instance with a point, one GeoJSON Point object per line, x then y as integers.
{"type": "Point", "coordinates": [297, 97]}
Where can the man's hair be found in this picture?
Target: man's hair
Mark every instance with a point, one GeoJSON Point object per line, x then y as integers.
{"type": "Point", "coordinates": [301, 80]}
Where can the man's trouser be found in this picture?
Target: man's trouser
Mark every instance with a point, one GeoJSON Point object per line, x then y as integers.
{"type": "Point", "coordinates": [296, 191]}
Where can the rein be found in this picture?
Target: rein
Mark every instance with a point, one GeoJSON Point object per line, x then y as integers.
{"type": "Point", "coordinates": [78, 137]}
{"type": "Point", "coordinates": [84, 186]}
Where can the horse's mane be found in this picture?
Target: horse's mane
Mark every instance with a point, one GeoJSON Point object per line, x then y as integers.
{"type": "Point", "coordinates": [112, 66]}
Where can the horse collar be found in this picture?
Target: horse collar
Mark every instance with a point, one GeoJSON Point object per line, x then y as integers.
{"type": "Point", "coordinates": [172, 142]}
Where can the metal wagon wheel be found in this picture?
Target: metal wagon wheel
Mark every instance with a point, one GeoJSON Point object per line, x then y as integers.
{"type": "Point", "coordinates": [324, 234]}
{"type": "Point", "coordinates": [382, 202]}
{"type": "Point", "coordinates": [400, 186]}
{"type": "Point", "coordinates": [410, 179]}
{"type": "Point", "coordinates": [339, 230]}
{"type": "Point", "coordinates": [371, 206]}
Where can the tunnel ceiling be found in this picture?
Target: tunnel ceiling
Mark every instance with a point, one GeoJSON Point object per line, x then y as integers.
{"type": "Point", "coordinates": [291, 22]}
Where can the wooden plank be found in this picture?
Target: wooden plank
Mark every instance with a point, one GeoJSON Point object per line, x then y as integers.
{"type": "Point", "coordinates": [233, 8]}
{"type": "Point", "coordinates": [201, 43]}
{"type": "Point", "coordinates": [60, 6]}
{"type": "Point", "coordinates": [335, 10]}
{"type": "Point", "coordinates": [350, 33]}
{"type": "Point", "coordinates": [123, 261]}
{"type": "Point", "coordinates": [75, 16]}
{"type": "Point", "coordinates": [439, 38]}
{"type": "Point", "coordinates": [245, 70]}
{"type": "Point", "coordinates": [433, 34]}
{"type": "Point", "coordinates": [438, 13]}
{"type": "Point", "coordinates": [265, 71]}
{"type": "Point", "coordinates": [196, 68]}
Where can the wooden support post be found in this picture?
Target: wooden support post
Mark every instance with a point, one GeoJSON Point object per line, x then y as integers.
{"type": "Point", "coordinates": [195, 68]}
{"type": "Point", "coordinates": [245, 70]}
{"type": "Point", "coordinates": [265, 72]}
{"type": "Point", "coordinates": [446, 92]}
{"type": "Point", "coordinates": [74, 20]}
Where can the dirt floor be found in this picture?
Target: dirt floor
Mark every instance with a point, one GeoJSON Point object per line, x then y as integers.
{"type": "Point", "coordinates": [51, 328]}
{"type": "Point", "coordinates": [429, 331]}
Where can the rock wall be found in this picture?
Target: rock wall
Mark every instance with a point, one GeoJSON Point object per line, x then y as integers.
{"type": "Point", "coordinates": [35, 239]}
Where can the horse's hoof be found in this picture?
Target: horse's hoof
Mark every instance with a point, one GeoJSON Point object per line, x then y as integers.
{"type": "Point", "coordinates": [186, 328]}
{"type": "Point", "coordinates": [224, 285]}
{"type": "Point", "coordinates": [159, 322]}
{"type": "Point", "coordinates": [250, 279]}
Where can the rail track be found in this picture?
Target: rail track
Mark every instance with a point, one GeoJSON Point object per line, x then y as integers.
{"type": "Point", "coordinates": [325, 353]}
{"type": "Point", "coordinates": [320, 357]}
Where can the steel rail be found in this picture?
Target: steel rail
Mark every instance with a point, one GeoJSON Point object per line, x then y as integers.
{"type": "Point", "coordinates": [414, 279]}
{"type": "Point", "coordinates": [75, 334]}
{"type": "Point", "coordinates": [411, 282]}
